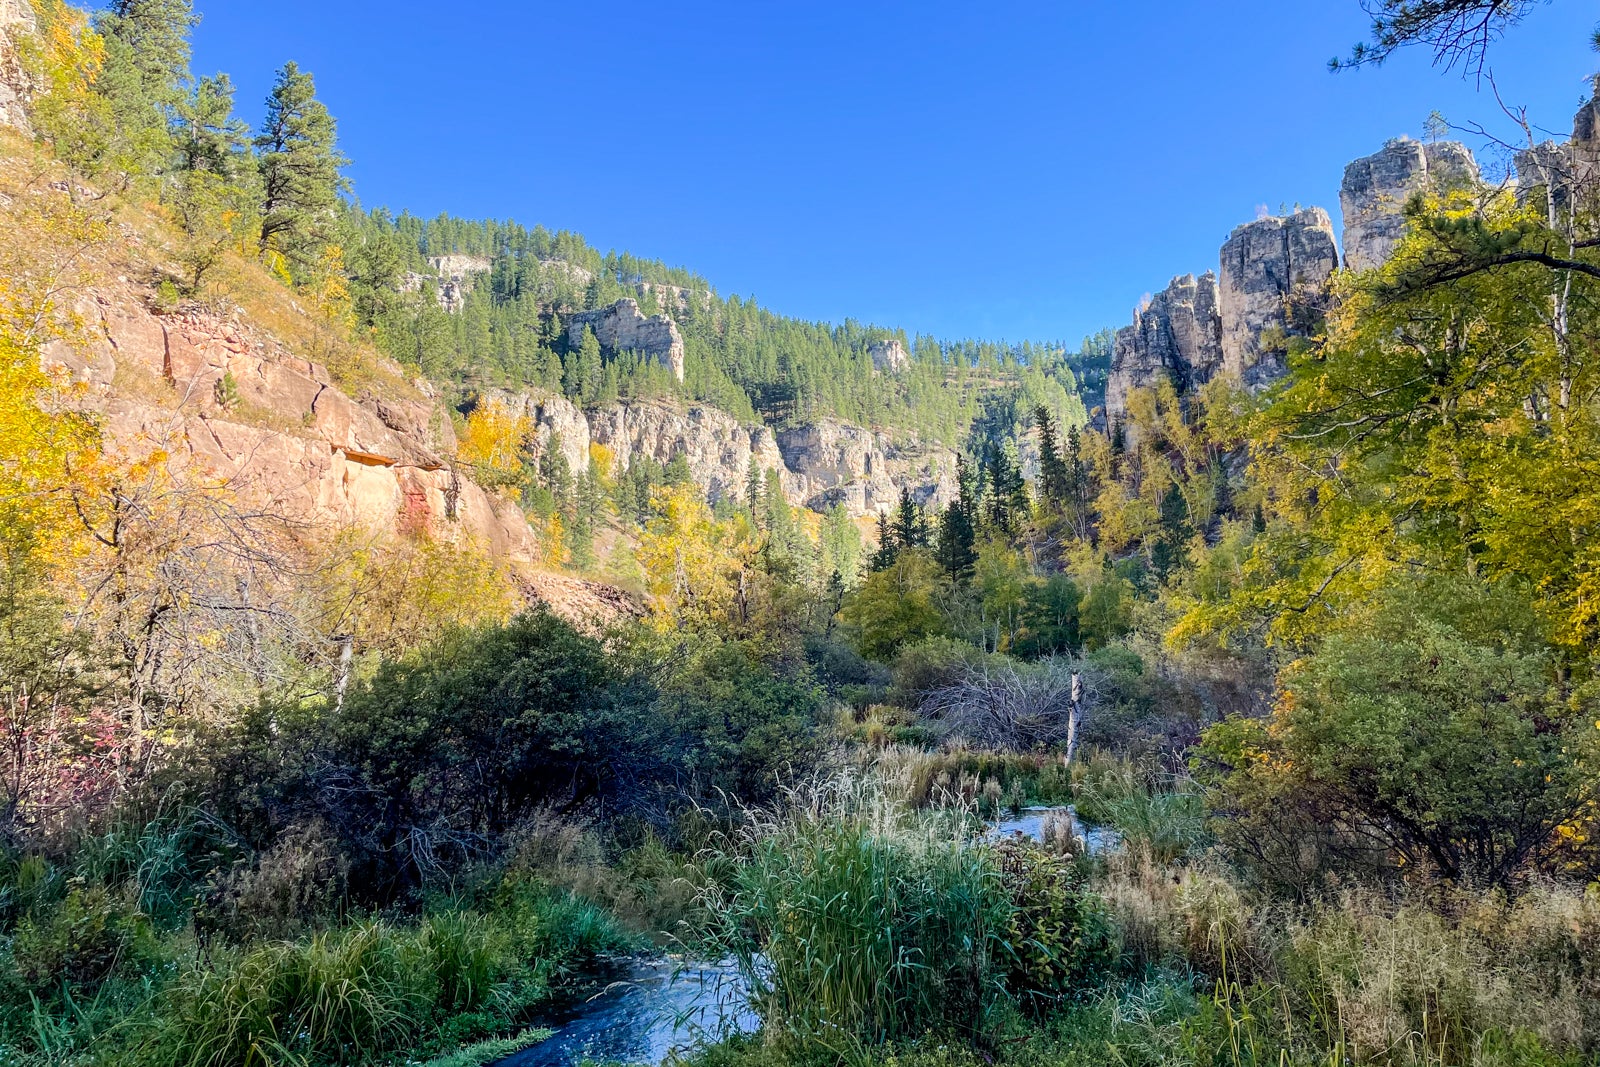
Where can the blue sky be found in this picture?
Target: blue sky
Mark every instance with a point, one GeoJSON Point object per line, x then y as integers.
{"type": "Point", "coordinates": [1005, 170]}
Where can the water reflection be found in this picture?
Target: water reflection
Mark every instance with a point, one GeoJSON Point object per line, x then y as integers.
{"type": "Point", "coordinates": [1038, 822]}
{"type": "Point", "coordinates": [662, 1007]}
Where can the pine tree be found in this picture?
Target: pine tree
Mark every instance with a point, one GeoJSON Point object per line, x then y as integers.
{"type": "Point", "coordinates": [754, 484]}
{"type": "Point", "coordinates": [1054, 477]}
{"type": "Point", "coordinates": [888, 550]}
{"type": "Point", "coordinates": [300, 163]}
{"type": "Point", "coordinates": [145, 75]}
{"type": "Point", "coordinates": [957, 549]}
{"type": "Point", "coordinates": [1080, 488]}
{"type": "Point", "coordinates": [1170, 549]}
{"type": "Point", "coordinates": [207, 136]}
{"type": "Point", "coordinates": [213, 190]}
{"type": "Point", "coordinates": [910, 527]}
{"type": "Point", "coordinates": [1007, 494]}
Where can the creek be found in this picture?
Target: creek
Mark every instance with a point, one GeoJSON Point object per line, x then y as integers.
{"type": "Point", "coordinates": [666, 1006]}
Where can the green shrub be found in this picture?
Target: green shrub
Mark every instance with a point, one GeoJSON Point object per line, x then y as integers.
{"type": "Point", "coordinates": [1059, 940]}
{"type": "Point", "coordinates": [1435, 738]}
{"type": "Point", "coordinates": [80, 942]}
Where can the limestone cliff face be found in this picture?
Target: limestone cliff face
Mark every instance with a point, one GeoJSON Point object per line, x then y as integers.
{"type": "Point", "coordinates": [835, 462]}
{"type": "Point", "coordinates": [819, 464]}
{"type": "Point", "coordinates": [622, 327]}
{"type": "Point", "coordinates": [888, 357]}
{"type": "Point", "coordinates": [1375, 190]}
{"type": "Point", "coordinates": [1177, 336]}
{"type": "Point", "coordinates": [229, 404]}
{"type": "Point", "coordinates": [16, 20]}
{"type": "Point", "coordinates": [452, 278]}
{"type": "Point", "coordinates": [717, 447]}
{"type": "Point", "coordinates": [1274, 281]}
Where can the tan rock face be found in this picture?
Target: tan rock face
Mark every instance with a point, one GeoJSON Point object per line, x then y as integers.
{"type": "Point", "coordinates": [1375, 190]}
{"type": "Point", "coordinates": [819, 465]}
{"type": "Point", "coordinates": [228, 404]}
{"type": "Point", "coordinates": [717, 447]}
{"type": "Point", "coordinates": [834, 462]}
{"type": "Point", "coordinates": [622, 327]}
{"type": "Point", "coordinates": [16, 20]}
{"type": "Point", "coordinates": [451, 280]}
{"type": "Point", "coordinates": [1274, 281]}
{"type": "Point", "coordinates": [560, 423]}
{"type": "Point", "coordinates": [889, 357]}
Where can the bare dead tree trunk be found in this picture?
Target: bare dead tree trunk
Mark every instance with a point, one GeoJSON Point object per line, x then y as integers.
{"type": "Point", "coordinates": [1074, 716]}
{"type": "Point", "coordinates": [347, 648]}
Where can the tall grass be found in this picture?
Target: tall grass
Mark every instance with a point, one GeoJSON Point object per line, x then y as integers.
{"type": "Point", "coordinates": [355, 994]}
{"type": "Point", "coordinates": [857, 922]}
{"type": "Point", "coordinates": [1152, 809]}
{"type": "Point", "coordinates": [962, 777]}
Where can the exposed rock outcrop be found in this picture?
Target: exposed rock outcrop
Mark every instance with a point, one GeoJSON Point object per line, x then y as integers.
{"type": "Point", "coordinates": [560, 423]}
{"type": "Point", "coordinates": [590, 606]}
{"type": "Point", "coordinates": [1273, 284]}
{"type": "Point", "coordinates": [623, 328]}
{"type": "Point", "coordinates": [1568, 173]}
{"type": "Point", "coordinates": [888, 356]}
{"type": "Point", "coordinates": [1177, 336]}
{"type": "Point", "coordinates": [819, 465]}
{"type": "Point", "coordinates": [716, 446]}
{"type": "Point", "coordinates": [1375, 190]}
{"type": "Point", "coordinates": [16, 21]}
{"type": "Point", "coordinates": [834, 462]}
{"type": "Point", "coordinates": [227, 403]}
{"type": "Point", "coordinates": [451, 280]}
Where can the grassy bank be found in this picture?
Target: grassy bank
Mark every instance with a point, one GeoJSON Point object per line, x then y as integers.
{"type": "Point", "coordinates": [113, 959]}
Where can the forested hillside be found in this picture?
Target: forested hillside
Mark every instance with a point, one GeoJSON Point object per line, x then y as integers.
{"type": "Point", "coordinates": [522, 285]}
{"type": "Point", "coordinates": [418, 637]}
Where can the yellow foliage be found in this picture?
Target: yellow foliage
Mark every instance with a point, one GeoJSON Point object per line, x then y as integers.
{"type": "Point", "coordinates": [63, 62]}
{"type": "Point", "coordinates": [493, 445]}
{"type": "Point", "coordinates": [392, 594]}
{"type": "Point", "coordinates": [49, 448]}
{"type": "Point", "coordinates": [695, 566]}
{"type": "Point", "coordinates": [601, 462]}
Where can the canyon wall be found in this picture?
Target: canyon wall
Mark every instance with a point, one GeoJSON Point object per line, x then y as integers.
{"type": "Point", "coordinates": [1272, 281]}
{"type": "Point", "coordinates": [229, 405]}
{"type": "Point", "coordinates": [16, 20]}
{"type": "Point", "coordinates": [819, 464]}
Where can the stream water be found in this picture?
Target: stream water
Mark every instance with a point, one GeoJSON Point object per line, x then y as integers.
{"type": "Point", "coordinates": [663, 1007]}
{"type": "Point", "coordinates": [1031, 823]}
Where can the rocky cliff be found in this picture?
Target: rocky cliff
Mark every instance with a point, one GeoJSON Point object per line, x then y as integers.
{"type": "Point", "coordinates": [622, 327]}
{"type": "Point", "coordinates": [1375, 189]}
{"type": "Point", "coordinates": [228, 404]}
{"type": "Point", "coordinates": [1272, 281]}
{"type": "Point", "coordinates": [1567, 173]}
{"type": "Point", "coordinates": [1273, 284]}
{"type": "Point", "coordinates": [819, 464]}
{"type": "Point", "coordinates": [16, 20]}
{"type": "Point", "coordinates": [889, 357]}
{"type": "Point", "coordinates": [1176, 336]}
{"type": "Point", "coordinates": [452, 278]}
